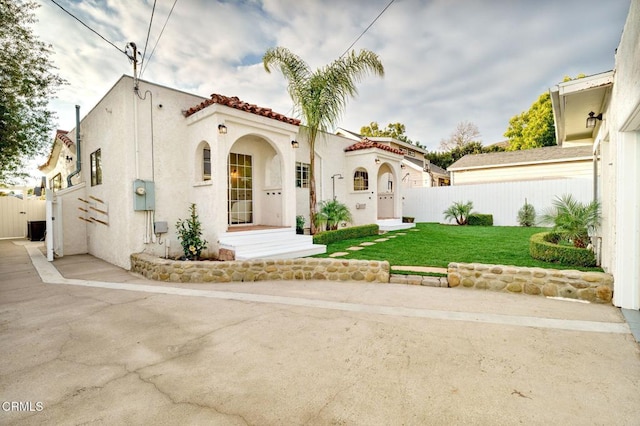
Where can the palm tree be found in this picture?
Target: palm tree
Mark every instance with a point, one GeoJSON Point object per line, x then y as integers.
{"type": "Point", "coordinates": [459, 211]}
{"type": "Point", "coordinates": [573, 219]}
{"type": "Point", "coordinates": [320, 96]}
{"type": "Point", "coordinates": [331, 213]}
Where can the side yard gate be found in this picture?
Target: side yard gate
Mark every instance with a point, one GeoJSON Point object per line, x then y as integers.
{"type": "Point", "coordinates": [16, 212]}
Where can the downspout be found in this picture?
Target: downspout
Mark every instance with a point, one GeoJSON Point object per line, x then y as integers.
{"type": "Point", "coordinates": [78, 160]}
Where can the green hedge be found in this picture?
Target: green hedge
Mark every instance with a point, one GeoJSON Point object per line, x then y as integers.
{"type": "Point", "coordinates": [543, 246]}
{"type": "Point", "coordinates": [327, 237]}
{"type": "Point", "coordinates": [477, 219]}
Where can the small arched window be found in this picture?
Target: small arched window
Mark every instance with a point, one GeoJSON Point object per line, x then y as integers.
{"type": "Point", "coordinates": [360, 180]}
{"type": "Point", "coordinates": [206, 162]}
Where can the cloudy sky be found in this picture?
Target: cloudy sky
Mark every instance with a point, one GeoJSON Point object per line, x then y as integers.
{"type": "Point", "coordinates": [446, 61]}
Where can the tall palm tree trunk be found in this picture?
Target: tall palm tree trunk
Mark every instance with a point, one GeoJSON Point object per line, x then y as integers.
{"type": "Point", "coordinates": [312, 181]}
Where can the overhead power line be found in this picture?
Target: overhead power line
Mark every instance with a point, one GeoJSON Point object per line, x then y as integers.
{"type": "Point", "coordinates": [87, 26]}
{"type": "Point", "coordinates": [367, 29]}
{"type": "Point", "coordinates": [158, 39]}
{"type": "Point", "coordinates": [144, 52]}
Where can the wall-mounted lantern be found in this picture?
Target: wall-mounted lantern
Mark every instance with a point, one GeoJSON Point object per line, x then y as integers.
{"type": "Point", "coordinates": [591, 120]}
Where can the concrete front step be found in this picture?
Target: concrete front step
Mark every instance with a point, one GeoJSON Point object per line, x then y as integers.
{"type": "Point", "coordinates": [394, 224]}
{"type": "Point", "coordinates": [271, 243]}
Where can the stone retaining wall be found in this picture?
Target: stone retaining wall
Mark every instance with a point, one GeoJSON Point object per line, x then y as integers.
{"type": "Point", "coordinates": [592, 286]}
{"type": "Point", "coordinates": [259, 270]}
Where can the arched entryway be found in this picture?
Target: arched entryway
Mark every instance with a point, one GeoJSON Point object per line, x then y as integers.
{"type": "Point", "coordinates": [254, 183]}
{"type": "Point", "coordinates": [386, 192]}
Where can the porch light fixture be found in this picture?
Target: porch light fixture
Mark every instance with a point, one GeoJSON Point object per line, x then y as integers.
{"type": "Point", "coordinates": [295, 144]}
{"type": "Point", "coordinates": [69, 159]}
{"type": "Point", "coordinates": [403, 166]}
{"type": "Point", "coordinates": [377, 160]}
{"type": "Point", "coordinates": [222, 129]}
{"type": "Point", "coordinates": [591, 120]}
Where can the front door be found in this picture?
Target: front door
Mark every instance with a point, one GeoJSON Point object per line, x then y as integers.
{"type": "Point", "coordinates": [240, 186]}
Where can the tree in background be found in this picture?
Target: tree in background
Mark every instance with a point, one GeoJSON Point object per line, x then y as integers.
{"type": "Point", "coordinates": [27, 82]}
{"type": "Point", "coordinates": [464, 134]}
{"type": "Point", "coordinates": [534, 128]}
{"type": "Point", "coordinates": [321, 96]}
{"type": "Point", "coordinates": [393, 130]}
{"type": "Point", "coordinates": [463, 140]}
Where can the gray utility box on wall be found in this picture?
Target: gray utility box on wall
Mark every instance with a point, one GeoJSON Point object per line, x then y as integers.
{"type": "Point", "coordinates": [144, 195]}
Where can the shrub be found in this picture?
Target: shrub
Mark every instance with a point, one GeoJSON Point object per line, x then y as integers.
{"type": "Point", "coordinates": [477, 219]}
{"type": "Point", "coordinates": [345, 234]}
{"type": "Point", "coordinates": [190, 235]}
{"type": "Point", "coordinates": [527, 215]}
{"type": "Point", "coordinates": [544, 246]}
{"type": "Point", "coordinates": [331, 213]}
{"type": "Point", "coordinates": [459, 211]}
{"type": "Point", "coordinates": [300, 220]}
{"type": "Point", "coordinates": [573, 219]}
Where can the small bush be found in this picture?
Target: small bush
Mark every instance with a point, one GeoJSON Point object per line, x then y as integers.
{"type": "Point", "coordinates": [477, 219]}
{"type": "Point", "coordinates": [459, 212]}
{"type": "Point", "coordinates": [331, 213]}
{"type": "Point", "coordinates": [544, 246]}
{"type": "Point", "coordinates": [190, 235]}
{"type": "Point", "coordinates": [300, 220]}
{"type": "Point", "coordinates": [527, 215]}
{"type": "Point", "coordinates": [345, 234]}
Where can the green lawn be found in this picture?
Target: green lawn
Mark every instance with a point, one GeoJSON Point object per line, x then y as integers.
{"type": "Point", "coordinates": [438, 245]}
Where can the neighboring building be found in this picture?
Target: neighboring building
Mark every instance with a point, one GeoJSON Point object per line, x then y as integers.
{"type": "Point", "coordinates": [554, 162]}
{"type": "Point", "coordinates": [61, 162]}
{"type": "Point", "coordinates": [148, 153]}
{"type": "Point", "coordinates": [615, 140]}
{"type": "Point", "coordinates": [417, 169]}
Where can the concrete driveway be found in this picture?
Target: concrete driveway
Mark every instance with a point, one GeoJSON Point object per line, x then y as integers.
{"type": "Point", "coordinates": [98, 345]}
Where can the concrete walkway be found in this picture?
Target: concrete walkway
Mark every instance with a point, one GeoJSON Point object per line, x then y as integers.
{"type": "Point", "coordinates": [93, 343]}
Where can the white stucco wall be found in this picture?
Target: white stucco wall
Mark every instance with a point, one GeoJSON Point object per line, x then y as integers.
{"type": "Point", "coordinates": [621, 169]}
{"type": "Point", "coordinates": [127, 155]}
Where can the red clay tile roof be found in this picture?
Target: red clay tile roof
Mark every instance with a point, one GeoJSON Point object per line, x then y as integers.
{"type": "Point", "coordinates": [366, 144]}
{"type": "Point", "coordinates": [62, 135]}
{"type": "Point", "coordinates": [236, 103]}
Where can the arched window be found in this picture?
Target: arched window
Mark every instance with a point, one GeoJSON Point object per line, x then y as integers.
{"type": "Point", "coordinates": [360, 180]}
{"type": "Point", "coordinates": [202, 162]}
{"type": "Point", "coordinates": [206, 162]}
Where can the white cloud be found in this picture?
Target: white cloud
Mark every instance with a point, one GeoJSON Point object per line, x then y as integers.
{"type": "Point", "coordinates": [446, 61]}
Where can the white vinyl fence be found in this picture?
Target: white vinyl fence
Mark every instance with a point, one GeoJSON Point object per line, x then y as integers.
{"type": "Point", "coordinates": [15, 213]}
{"type": "Point", "coordinates": [502, 199]}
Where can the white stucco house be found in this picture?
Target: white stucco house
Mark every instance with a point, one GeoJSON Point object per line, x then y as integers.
{"type": "Point", "coordinates": [613, 134]}
{"type": "Point", "coordinates": [145, 152]}
{"type": "Point", "coordinates": [417, 170]}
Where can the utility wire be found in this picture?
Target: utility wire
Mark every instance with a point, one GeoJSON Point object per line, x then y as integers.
{"type": "Point", "coordinates": [88, 27]}
{"type": "Point", "coordinates": [158, 39]}
{"type": "Point", "coordinates": [367, 29]}
{"type": "Point", "coordinates": [144, 52]}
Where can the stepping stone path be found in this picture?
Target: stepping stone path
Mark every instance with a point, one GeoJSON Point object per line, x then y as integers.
{"type": "Point", "coordinates": [401, 233]}
{"type": "Point", "coordinates": [391, 236]}
{"type": "Point", "coordinates": [414, 230]}
{"type": "Point", "coordinates": [366, 243]}
{"type": "Point", "coordinates": [338, 254]}
{"type": "Point", "coordinates": [379, 240]}
{"type": "Point", "coordinates": [355, 248]}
